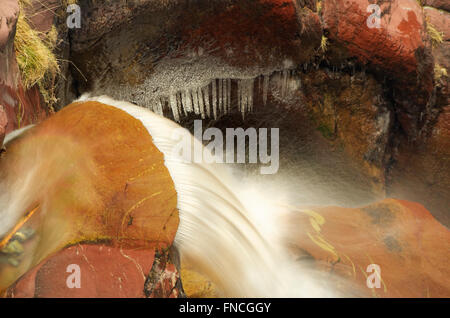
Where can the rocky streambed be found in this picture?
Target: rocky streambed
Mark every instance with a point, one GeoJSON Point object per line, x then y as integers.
{"type": "Point", "coordinates": [363, 109]}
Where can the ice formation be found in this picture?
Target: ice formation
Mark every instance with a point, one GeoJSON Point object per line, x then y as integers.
{"type": "Point", "coordinates": [224, 95]}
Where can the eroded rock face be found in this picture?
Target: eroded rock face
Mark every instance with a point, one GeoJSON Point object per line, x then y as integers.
{"type": "Point", "coordinates": [439, 4]}
{"type": "Point", "coordinates": [9, 12]}
{"type": "Point", "coordinates": [216, 39]}
{"type": "Point", "coordinates": [393, 46]}
{"type": "Point", "coordinates": [21, 106]}
{"type": "Point", "coordinates": [42, 14]}
{"type": "Point", "coordinates": [440, 20]}
{"type": "Point", "coordinates": [399, 47]}
{"type": "Point", "coordinates": [421, 171]}
{"type": "Point", "coordinates": [351, 111]}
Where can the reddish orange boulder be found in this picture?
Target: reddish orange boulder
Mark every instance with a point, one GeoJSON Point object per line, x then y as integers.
{"type": "Point", "coordinates": [103, 272]}
{"type": "Point", "coordinates": [393, 46]}
{"type": "Point", "coordinates": [398, 47]}
{"type": "Point", "coordinates": [410, 247]}
{"type": "Point", "coordinates": [94, 176]}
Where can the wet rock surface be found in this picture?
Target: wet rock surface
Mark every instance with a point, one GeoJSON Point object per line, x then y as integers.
{"type": "Point", "coordinates": [104, 272]}
{"type": "Point", "coordinates": [222, 49]}
{"type": "Point", "coordinates": [399, 47]}
{"type": "Point", "coordinates": [129, 206]}
{"type": "Point", "coordinates": [351, 111]}
{"type": "Point", "coordinates": [439, 4]}
{"type": "Point", "coordinates": [401, 237]}
{"type": "Point", "coordinates": [217, 40]}
{"type": "Point", "coordinates": [379, 94]}
{"type": "Point", "coordinates": [22, 106]}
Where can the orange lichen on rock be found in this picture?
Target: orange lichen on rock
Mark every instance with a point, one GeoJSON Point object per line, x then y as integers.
{"type": "Point", "coordinates": [402, 237]}
{"type": "Point", "coordinates": [97, 176]}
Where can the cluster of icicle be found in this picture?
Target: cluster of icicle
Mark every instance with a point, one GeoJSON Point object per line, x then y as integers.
{"type": "Point", "coordinates": [216, 98]}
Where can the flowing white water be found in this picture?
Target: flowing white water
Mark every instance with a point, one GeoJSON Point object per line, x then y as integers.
{"type": "Point", "coordinates": [226, 228]}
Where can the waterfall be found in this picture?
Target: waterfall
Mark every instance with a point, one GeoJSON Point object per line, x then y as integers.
{"type": "Point", "coordinates": [227, 230]}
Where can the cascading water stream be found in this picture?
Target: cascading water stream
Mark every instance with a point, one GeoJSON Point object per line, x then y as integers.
{"type": "Point", "coordinates": [230, 233]}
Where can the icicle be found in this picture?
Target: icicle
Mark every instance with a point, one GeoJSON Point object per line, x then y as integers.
{"type": "Point", "coordinates": [224, 96]}
{"type": "Point", "coordinates": [214, 98]}
{"type": "Point", "coordinates": [188, 101]}
{"type": "Point", "coordinates": [293, 82]}
{"type": "Point", "coordinates": [159, 107]}
{"type": "Point", "coordinates": [163, 105]}
{"type": "Point", "coordinates": [265, 89]}
{"type": "Point", "coordinates": [229, 96]}
{"type": "Point", "coordinates": [221, 96]}
{"type": "Point", "coordinates": [284, 81]}
{"type": "Point", "coordinates": [201, 104]}
{"type": "Point", "coordinates": [206, 97]}
{"type": "Point", "coordinates": [239, 95]}
{"type": "Point", "coordinates": [195, 102]}
{"type": "Point", "coordinates": [244, 97]}
{"type": "Point", "coordinates": [173, 106]}
{"type": "Point", "coordinates": [250, 89]}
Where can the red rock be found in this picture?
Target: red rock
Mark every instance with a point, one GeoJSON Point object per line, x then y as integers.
{"type": "Point", "coordinates": [400, 49]}
{"type": "Point", "coordinates": [105, 272]}
{"type": "Point", "coordinates": [22, 106]}
{"type": "Point", "coordinates": [41, 14]}
{"type": "Point", "coordinates": [439, 4]}
{"type": "Point", "coordinates": [9, 12]}
{"type": "Point", "coordinates": [131, 206]}
{"type": "Point", "coordinates": [246, 36]}
{"type": "Point", "coordinates": [392, 47]}
{"type": "Point", "coordinates": [237, 36]}
{"type": "Point", "coordinates": [440, 20]}
{"type": "Point", "coordinates": [402, 237]}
